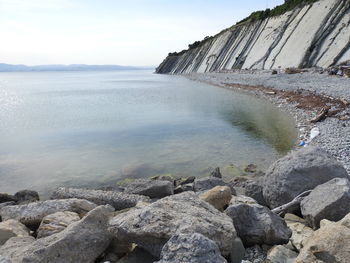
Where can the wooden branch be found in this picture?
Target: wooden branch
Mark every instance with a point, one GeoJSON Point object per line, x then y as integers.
{"type": "Point", "coordinates": [321, 115]}
{"type": "Point", "coordinates": [281, 209]}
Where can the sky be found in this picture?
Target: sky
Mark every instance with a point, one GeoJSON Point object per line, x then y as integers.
{"type": "Point", "coordinates": [119, 32]}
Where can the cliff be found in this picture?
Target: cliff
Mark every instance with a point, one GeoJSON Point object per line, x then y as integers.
{"type": "Point", "coordinates": [316, 34]}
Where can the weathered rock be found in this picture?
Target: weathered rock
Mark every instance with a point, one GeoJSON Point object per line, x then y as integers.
{"type": "Point", "coordinates": [241, 199]}
{"type": "Point", "coordinates": [138, 255]}
{"type": "Point", "coordinates": [330, 201]}
{"type": "Point", "coordinates": [152, 226]}
{"type": "Point", "coordinates": [31, 214]}
{"type": "Point", "coordinates": [256, 224]}
{"type": "Point", "coordinates": [26, 196]}
{"type": "Point", "coordinates": [183, 188]}
{"type": "Point", "coordinates": [7, 204]}
{"type": "Point", "coordinates": [254, 254]}
{"type": "Point", "coordinates": [297, 172]}
{"type": "Point", "coordinates": [330, 243]}
{"type": "Point", "coordinates": [216, 173]}
{"type": "Point", "coordinates": [116, 199]}
{"type": "Point", "coordinates": [194, 248]}
{"type": "Point", "coordinates": [12, 228]}
{"type": "Point", "coordinates": [82, 241]}
{"type": "Point", "coordinates": [300, 232]}
{"type": "Point", "coordinates": [7, 198]}
{"type": "Point", "coordinates": [150, 188]}
{"type": "Point", "coordinates": [186, 180]}
{"type": "Point", "coordinates": [207, 183]}
{"type": "Point", "coordinates": [55, 223]}
{"type": "Point", "coordinates": [4, 260]}
{"type": "Point", "coordinates": [219, 197]}
{"type": "Point", "coordinates": [281, 254]}
{"type": "Point", "coordinates": [249, 187]}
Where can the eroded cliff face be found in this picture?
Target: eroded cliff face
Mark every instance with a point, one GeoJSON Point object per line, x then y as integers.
{"type": "Point", "coordinates": [314, 35]}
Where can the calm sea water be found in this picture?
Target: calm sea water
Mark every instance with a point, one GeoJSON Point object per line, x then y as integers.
{"type": "Point", "coordinates": [90, 128]}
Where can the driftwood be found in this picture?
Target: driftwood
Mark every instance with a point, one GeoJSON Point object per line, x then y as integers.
{"type": "Point", "coordinates": [281, 209]}
{"type": "Point", "coordinates": [321, 115]}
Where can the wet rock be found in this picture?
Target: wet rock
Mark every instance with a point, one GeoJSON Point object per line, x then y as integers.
{"type": "Point", "coordinates": [216, 173]}
{"type": "Point", "coordinates": [116, 199]}
{"type": "Point", "coordinates": [256, 224]}
{"type": "Point", "coordinates": [241, 199]}
{"type": "Point", "coordinates": [55, 223]}
{"type": "Point", "coordinates": [219, 197]}
{"type": "Point", "coordinates": [250, 168]}
{"type": "Point", "coordinates": [330, 243]}
{"type": "Point", "coordinates": [26, 196]}
{"type": "Point", "coordinates": [4, 198]}
{"type": "Point", "coordinates": [194, 248]}
{"type": "Point", "coordinates": [297, 172]}
{"type": "Point", "coordinates": [12, 228]}
{"type": "Point", "coordinates": [281, 254]}
{"type": "Point", "coordinates": [152, 226]}
{"type": "Point", "coordinates": [330, 201]}
{"type": "Point", "coordinates": [31, 214]}
{"type": "Point", "coordinates": [150, 188]}
{"type": "Point", "coordinates": [183, 188]}
{"type": "Point", "coordinates": [207, 183]}
{"type": "Point", "coordinates": [82, 241]}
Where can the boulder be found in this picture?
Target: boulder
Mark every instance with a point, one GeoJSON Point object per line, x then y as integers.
{"type": "Point", "coordinates": [249, 187]}
{"type": "Point", "coordinates": [82, 241]}
{"type": "Point", "coordinates": [152, 226]}
{"type": "Point", "coordinates": [7, 198]}
{"type": "Point", "coordinates": [12, 228]}
{"type": "Point", "coordinates": [216, 173]}
{"type": "Point", "coordinates": [57, 222]}
{"type": "Point", "coordinates": [219, 197]}
{"type": "Point", "coordinates": [281, 254]}
{"type": "Point", "coordinates": [183, 188]}
{"type": "Point", "coordinates": [241, 199]}
{"type": "Point", "coordinates": [26, 196]}
{"type": "Point", "coordinates": [185, 180]}
{"type": "Point", "coordinates": [194, 248]}
{"type": "Point", "coordinates": [299, 171]}
{"type": "Point", "coordinates": [7, 204]}
{"type": "Point", "coordinates": [330, 201]}
{"type": "Point", "coordinates": [256, 224]}
{"type": "Point", "coordinates": [330, 243]}
{"type": "Point", "coordinates": [138, 255]}
{"type": "Point", "coordinates": [4, 260]}
{"type": "Point", "coordinates": [207, 183]}
{"type": "Point", "coordinates": [150, 188]}
{"type": "Point", "coordinates": [31, 214]}
{"type": "Point", "coordinates": [116, 199]}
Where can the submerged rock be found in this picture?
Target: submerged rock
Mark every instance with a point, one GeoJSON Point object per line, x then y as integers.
{"type": "Point", "coordinates": [150, 188]}
{"type": "Point", "coordinates": [297, 172]}
{"type": "Point", "coordinates": [116, 199]}
{"type": "Point", "coordinates": [207, 183]}
{"type": "Point", "coordinates": [219, 197]}
{"type": "Point", "coordinates": [216, 173]}
{"type": "Point", "coordinates": [12, 228]}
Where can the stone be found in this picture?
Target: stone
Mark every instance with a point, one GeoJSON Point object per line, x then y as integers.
{"type": "Point", "coordinates": [116, 199]}
{"type": "Point", "coordinates": [12, 228]}
{"type": "Point", "coordinates": [299, 171]}
{"type": "Point", "coordinates": [4, 260]}
{"type": "Point", "coordinates": [138, 255]}
{"type": "Point", "coordinates": [330, 243]}
{"type": "Point", "coordinates": [300, 232]}
{"type": "Point", "coordinates": [249, 187]}
{"type": "Point", "coordinates": [164, 177]}
{"type": "Point", "coordinates": [219, 197]}
{"type": "Point", "coordinates": [150, 188]}
{"type": "Point", "coordinates": [7, 198]}
{"type": "Point", "coordinates": [241, 199]}
{"type": "Point", "coordinates": [31, 214]}
{"type": "Point", "coordinates": [81, 241]}
{"type": "Point", "coordinates": [26, 196]}
{"type": "Point", "coordinates": [255, 254]}
{"type": "Point", "coordinates": [194, 248]}
{"type": "Point", "coordinates": [216, 173]}
{"type": "Point", "coordinates": [186, 180]}
{"type": "Point", "coordinates": [256, 224]}
{"type": "Point", "coordinates": [152, 226]}
{"type": "Point", "coordinates": [250, 168]}
{"type": "Point", "coordinates": [7, 204]}
{"type": "Point", "coordinates": [183, 188]}
{"type": "Point", "coordinates": [330, 201]}
{"type": "Point", "coordinates": [207, 183]}
{"type": "Point", "coordinates": [281, 254]}
{"type": "Point", "coordinates": [55, 223]}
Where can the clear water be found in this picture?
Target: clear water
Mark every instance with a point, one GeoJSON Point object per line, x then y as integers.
{"type": "Point", "coordinates": [91, 128]}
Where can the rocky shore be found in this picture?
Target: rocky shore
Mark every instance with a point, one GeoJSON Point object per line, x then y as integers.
{"type": "Point", "coordinates": [299, 211]}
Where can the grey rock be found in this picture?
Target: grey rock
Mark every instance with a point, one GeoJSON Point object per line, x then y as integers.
{"type": "Point", "coordinates": [249, 187]}
{"type": "Point", "coordinates": [241, 199]}
{"type": "Point", "coordinates": [150, 188]}
{"type": "Point", "coordinates": [297, 172]}
{"type": "Point", "coordinates": [186, 180]}
{"type": "Point", "coordinates": [26, 196]}
{"type": "Point", "coordinates": [82, 241]}
{"type": "Point", "coordinates": [216, 173]}
{"type": "Point", "coordinates": [7, 198]}
{"type": "Point", "coordinates": [207, 183]}
{"type": "Point", "coordinates": [55, 223]}
{"type": "Point", "coordinates": [31, 214]}
{"type": "Point", "coordinates": [152, 226]}
{"type": "Point", "coordinates": [12, 228]}
{"type": "Point", "coordinates": [138, 255]}
{"type": "Point", "coordinates": [4, 260]}
{"type": "Point", "coordinates": [330, 201]}
{"type": "Point", "coordinates": [255, 254]}
{"type": "Point", "coordinates": [194, 248]}
{"type": "Point", "coordinates": [256, 224]}
{"type": "Point", "coordinates": [183, 188]}
{"type": "Point", "coordinates": [281, 254]}
{"type": "Point", "coordinates": [116, 199]}
{"type": "Point", "coordinates": [7, 204]}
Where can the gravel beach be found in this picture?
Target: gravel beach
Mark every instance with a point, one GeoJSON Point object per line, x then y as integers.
{"type": "Point", "coordinates": [334, 131]}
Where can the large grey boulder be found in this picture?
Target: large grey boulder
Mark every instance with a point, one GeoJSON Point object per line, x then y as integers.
{"type": "Point", "coordinates": [82, 241]}
{"type": "Point", "coordinates": [297, 172]}
{"type": "Point", "coordinates": [194, 248]}
{"type": "Point", "coordinates": [116, 199]}
{"type": "Point", "coordinates": [249, 187]}
{"type": "Point", "coordinates": [31, 214]}
{"type": "Point", "coordinates": [12, 228]}
{"type": "Point", "coordinates": [330, 201]}
{"type": "Point", "coordinates": [207, 183]}
{"type": "Point", "coordinates": [150, 188]}
{"type": "Point", "coordinates": [256, 224]}
{"type": "Point", "coordinates": [152, 226]}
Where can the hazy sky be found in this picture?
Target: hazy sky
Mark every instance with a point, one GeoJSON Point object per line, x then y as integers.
{"type": "Point", "coordinates": [125, 32]}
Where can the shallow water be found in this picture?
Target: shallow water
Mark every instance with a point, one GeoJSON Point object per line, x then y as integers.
{"type": "Point", "coordinates": [90, 128]}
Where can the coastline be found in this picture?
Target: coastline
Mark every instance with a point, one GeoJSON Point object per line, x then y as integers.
{"type": "Point", "coordinates": [302, 95]}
